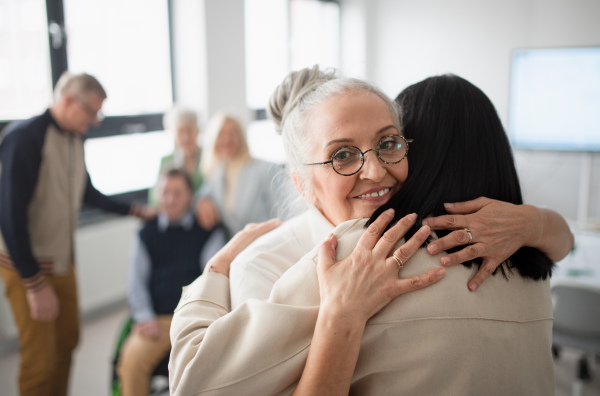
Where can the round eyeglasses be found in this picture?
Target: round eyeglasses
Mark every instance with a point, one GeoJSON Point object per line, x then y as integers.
{"type": "Point", "coordinates": [349, 160]}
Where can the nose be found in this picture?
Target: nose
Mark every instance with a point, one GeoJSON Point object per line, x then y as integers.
{"type": "Point", "coordinates": [372, 168]}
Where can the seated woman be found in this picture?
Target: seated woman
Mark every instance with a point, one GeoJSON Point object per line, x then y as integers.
{"type": "Point", "coordinates": [182, 123]}
{"type": "Point", "coordinates": [238, 188]}
{"type": "Point", "coordinates": [261, 346]}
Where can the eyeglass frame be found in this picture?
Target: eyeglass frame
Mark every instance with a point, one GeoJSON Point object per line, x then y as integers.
{"type": "Point", "coordinates": [363, 154]}
{"type": "Point", "coordinates": [96, 115]}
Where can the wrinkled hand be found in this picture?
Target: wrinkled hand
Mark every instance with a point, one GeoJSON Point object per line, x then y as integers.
{"type": "Point", "coordinates": [43, 304]}
{"type": "Point", "coordinates": [221, 261]}
{"type": "Point", "coordinates": [367, 280]}
{"type": "Point", "coordinates": [498, 230]}
{"type": "Point", "coordinates": [149, 329]}
{"type": "Point", "coordinates": [207, 213]}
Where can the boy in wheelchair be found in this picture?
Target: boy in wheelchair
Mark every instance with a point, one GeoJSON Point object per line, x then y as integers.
{"type": "Point", "coordinates": [170, 252]}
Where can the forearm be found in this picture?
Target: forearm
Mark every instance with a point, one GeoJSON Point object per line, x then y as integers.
{"type": "Point", "coordinates": [555, 238]}
{"type": "Point", "coordinates": [94, 197]}
{"type": "Point", "coordinates": [332, 357]}
{"type": "Point", "coordinates": [240, 352]}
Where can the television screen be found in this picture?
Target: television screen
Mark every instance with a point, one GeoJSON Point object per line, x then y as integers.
{"type": "Point", "coordinates": [554, 101]}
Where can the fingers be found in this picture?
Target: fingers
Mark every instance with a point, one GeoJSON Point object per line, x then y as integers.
{"type": "Point", "coordinates": [254, 230]}
{"type": "Point", "coordinates": [457, 218]}
{"type": "Point", "coordinates": [466, 207]}
{"type": "Point", "coordinates": [370, 238]}
{"type": "Point", "coordinates": [208, 215]}
{"type": "Point", "coordinates": [452, 240]}
{"type": "Point", "coordinates": [391, 237]}
{"type": "Point", "coordinates": [326, 257]}
{"type": "Point", "coordinates": [446, 222]}
{"type": "Point", "coordinates": [409, 248]}
{"type": "Point", "coordinates": [406, 285]}
{"type": "Point", "coordinates": [487, 268]}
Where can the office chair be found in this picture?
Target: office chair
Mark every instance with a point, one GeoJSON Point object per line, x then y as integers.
{"type": "Point", "coordinates": [577, 325]}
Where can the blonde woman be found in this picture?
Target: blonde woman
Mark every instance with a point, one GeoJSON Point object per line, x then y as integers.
{"type": "Point", "coordinates": [238, 189]}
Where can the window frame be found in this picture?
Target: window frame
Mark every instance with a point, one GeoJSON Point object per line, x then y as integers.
{"type": "Point", "coordinates": [111, 125]}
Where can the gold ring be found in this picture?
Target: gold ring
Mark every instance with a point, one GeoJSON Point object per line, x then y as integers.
{"type": "Point", "coordinates": [399, 261]}
{"type": "Point", "coordinates": [470, 235]}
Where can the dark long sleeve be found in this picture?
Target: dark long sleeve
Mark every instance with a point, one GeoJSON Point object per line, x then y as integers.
{"type": "Point", "coordinates": [20, 159]}
{"type": "Point", "coordinates": [96, 198]}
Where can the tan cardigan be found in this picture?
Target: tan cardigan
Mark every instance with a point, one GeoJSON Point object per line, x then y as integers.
{"type": "Point", "coordinates": [440, 340]}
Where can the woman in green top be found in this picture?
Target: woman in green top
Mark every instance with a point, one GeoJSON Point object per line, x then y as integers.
{"type": "Point", "coordinates": [183, 124]}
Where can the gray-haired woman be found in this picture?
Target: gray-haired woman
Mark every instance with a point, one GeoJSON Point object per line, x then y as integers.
{"type": "Point", "coordinates": [323, 120]}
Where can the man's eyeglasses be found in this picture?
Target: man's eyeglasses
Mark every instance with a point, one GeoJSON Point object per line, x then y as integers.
{"type": "Point", "coordinates": [96, 115]}
{"type": "Point", "coordinates": [349, 160]}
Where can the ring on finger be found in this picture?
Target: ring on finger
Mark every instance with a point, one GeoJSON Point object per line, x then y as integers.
{"type": "Point", "coordinates": [399, 261]}
{"type": "Point", "coordinates": [470, 235]}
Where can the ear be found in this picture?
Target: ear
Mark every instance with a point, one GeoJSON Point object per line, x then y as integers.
{"type": "Point", "coordinates": [300, 187]}
{"type": "Point", "coordinates": [297, 183]}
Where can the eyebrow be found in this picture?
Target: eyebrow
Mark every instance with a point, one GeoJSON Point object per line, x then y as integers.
{"type": "Point", "coordinates": [379, 132]}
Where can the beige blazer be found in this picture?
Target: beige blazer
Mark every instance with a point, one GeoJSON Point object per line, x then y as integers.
{"type": "Point", "coordinates": [443, 340]}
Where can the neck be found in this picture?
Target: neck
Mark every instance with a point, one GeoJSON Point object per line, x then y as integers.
{"type": "Point", "coordinates": [57, 114]}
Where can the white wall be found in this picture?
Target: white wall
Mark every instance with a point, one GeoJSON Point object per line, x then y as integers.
{"type": "Point", "coordinates": [209, 56]}
{"type": "Point", "coordinates": [408, 41]}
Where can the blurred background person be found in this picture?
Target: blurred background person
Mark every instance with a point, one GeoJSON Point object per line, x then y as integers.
{"type": "Point", "coordinates": [170, 252]}
{"type": "Point", "coordinates": [43, 182]}
{"type": "Point", "coordinates": [182, 123]}
{"type": "Point", "coordinates": [238, 189]}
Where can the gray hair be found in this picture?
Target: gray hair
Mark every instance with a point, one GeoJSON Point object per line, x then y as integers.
{"type": "Point", "coordinates": [80, 84]}
{"type": "Point", "coordinates": [290, 107]}
{"type": "Point", "coordinates": [179, 116]}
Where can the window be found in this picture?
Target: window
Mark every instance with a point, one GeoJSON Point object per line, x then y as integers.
{"type": "Point", "coordinates": [127, 50]}
{"type": "Point", "coordinates": [286, 35]}
{"type": "Point", "coordinates": [25, 81]}
{"type": "Point", "coordinates": [281, 36]}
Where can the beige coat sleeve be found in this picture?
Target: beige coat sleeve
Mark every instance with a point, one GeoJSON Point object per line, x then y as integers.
{"type": "Point", "coordinates": [259, 348]}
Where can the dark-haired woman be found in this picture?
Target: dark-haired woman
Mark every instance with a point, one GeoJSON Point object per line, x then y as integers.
{"type": "Point", "coordinates": [440, 340]}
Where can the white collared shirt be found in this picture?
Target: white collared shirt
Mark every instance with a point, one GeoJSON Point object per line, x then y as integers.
{"type": "Point", "coordinates": [254, 271]}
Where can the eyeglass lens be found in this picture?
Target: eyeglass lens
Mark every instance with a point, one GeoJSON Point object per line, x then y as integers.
{"type": "Point", "coordinates": [349, 160]}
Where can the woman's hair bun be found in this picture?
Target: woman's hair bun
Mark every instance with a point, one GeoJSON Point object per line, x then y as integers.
{"type": "Point", "coordinates": [292, 89]}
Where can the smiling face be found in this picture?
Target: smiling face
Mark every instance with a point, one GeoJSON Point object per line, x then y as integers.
{"type": "Point", "coordinates": [352, 118]}
{"type": "Point", "coordinates": [175, 196]}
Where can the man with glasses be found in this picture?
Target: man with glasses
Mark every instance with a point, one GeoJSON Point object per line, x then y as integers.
{"type": "Point", "coordinates": [43, 182]}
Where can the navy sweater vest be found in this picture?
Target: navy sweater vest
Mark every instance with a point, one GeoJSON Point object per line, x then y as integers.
{"type": "Point", "coordinates": [175, 261]}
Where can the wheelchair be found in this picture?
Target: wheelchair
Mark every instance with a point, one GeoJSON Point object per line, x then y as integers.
{"type": "Point", "coordinates": [159, 384]}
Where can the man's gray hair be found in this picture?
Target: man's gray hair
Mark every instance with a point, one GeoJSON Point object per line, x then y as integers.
{"type": "Point", "coordinates": [80, 84]}
{"type": "Point", "coordinates": [179, 116]}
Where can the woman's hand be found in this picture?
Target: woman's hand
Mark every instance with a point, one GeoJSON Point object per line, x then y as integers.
{"type": "Point", "coordinates": [221, 261]}
{"type": "Point", "coordinates": [367, 280]}
{"type": "Point", "coordinates": [352, 291]}
{"type": "Point", "coordinates": [498, 229]}
{"type": "Point", "coordinates": [207, 213]}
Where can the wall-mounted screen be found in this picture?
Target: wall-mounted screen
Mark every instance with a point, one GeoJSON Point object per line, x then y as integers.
{"type": "Point", "coordinates": [555, 99]}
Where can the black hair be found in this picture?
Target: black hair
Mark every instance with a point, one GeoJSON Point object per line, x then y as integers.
{"type": "Point", "coordinates": [460, 152]}
{"type": "Point", "coordinates": [179, 172]}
